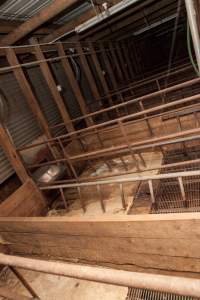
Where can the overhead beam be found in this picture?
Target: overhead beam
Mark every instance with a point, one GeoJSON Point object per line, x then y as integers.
{"type": "Point", "coordinates": [37, 20]}
{"type": "Point", "coordinates": [8, 26]}
{"type": "Point", "coordinates": [69, 26]}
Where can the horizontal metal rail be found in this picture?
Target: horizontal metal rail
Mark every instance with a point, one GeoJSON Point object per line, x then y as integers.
{"type": "Point", "coordinates": [171, 284]}
{"type": "Point", "coordinates": [150, 179]}
{"type": "Point", "coordinates": [124, 180]}
{"type": "Point", "coordinates": [115, 121]}
{"type": "Point", "coordinates": [133, 101]}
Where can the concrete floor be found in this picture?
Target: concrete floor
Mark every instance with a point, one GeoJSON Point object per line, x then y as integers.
{"type": "Point", "coordinates": [50, 287]}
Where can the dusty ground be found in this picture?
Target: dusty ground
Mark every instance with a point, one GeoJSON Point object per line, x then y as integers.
{"type": "Point", "coordinates": [50, 287]}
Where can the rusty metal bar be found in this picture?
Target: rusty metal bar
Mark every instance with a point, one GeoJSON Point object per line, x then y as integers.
{"type": "Point", "coordinates": [133, 101]}
{"type": "Point", "coordinates": [81, 199]}
{"type": "Point", "coordinates": [63, 197]}
{"type": "Point", "coordinates": [125, 118]}
{"type": "Point", "coordinates": [125, 180]}
{"type": "Point", "coordinates": [100, 197]}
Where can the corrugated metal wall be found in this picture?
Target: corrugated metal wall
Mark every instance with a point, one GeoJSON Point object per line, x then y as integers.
{"type": "Point", "coordinates": [22, 123]}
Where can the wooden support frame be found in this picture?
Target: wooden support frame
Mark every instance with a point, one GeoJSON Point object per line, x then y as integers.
{"type": "Point", "coordinates": [116, 62]}
{"type": "Point", "coordinates": [52, 85]}
{"type": "Point", "coordinates": [108, 66]}
{"type": "Point", "coordinates": [99, 72]}
{"type": "Point", "coordinates": [73, 83]}
{"type": "Point", "coordinates": [88, 73]}
{"type": "Point", "coordinates": [27, 91]}
{"type": "Point", "coordinates": [121, 60]}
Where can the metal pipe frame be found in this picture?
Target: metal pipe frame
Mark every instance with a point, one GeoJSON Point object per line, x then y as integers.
{"type": "Point", "coordinates": [128, 117]}
{"type": "Point", "coordinates": [133, 101]}
{"type": "Point", "coordinates": [152, 79]}
{"type": "Point", "coordinates": [171, 284]}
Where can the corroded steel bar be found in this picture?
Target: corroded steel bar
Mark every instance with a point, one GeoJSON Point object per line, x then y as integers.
{"type": "Point", "coordinates": [148, 178]}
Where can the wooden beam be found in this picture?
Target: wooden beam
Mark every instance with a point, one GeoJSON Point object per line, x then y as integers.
{"type": "Point", "coordinates": [73, 83]}
{"type": "Point", "coordinates": [10, 151]}
{"type": "Point", "coordinates": [99, 72]}
{"type": "Point", "coordinates": [52, 85]}
{"type": "Point", "coordinates": [115, 60]}
{"type": "Point", "coordinates": [108, 66]}
{"type": "Point", "coordinates": [27, 91]}
{"type": "Point", "coordinates": [88, 73]}
{"type": "Point", "coordinates": [9, 26]}
{"type": "Point", "coordinates": [37, 20]}
{"type": "Point", "coordinates": [154, 243]}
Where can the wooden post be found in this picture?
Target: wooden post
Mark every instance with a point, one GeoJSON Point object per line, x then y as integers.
{"type": "Point", "coordinates": [52, 86]}
{"type": "Point", "coordinates": [10, 151]}
{"type": "Point", "coordinates": [108, 66]}
{"type": "Point", "coordinates": [88, 72]}
{"type": "Point", "coordinates": [27, 91]}
{"type": "Point", "coordinates": [99, 72]}
{"type": "Point", "coordinates": [122, 61]}
{"type": "Point", "coordinates": [73, 83]}
{"type": "Point", "coordinates": [128, 60]}
{"type": "Point", "coordinates": [116, 62]}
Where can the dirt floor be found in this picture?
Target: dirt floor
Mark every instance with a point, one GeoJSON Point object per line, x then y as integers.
{"type": "Point", "coordinates": [50, 287]}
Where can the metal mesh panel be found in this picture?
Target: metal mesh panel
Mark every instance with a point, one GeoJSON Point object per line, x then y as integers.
{"type": "Point", "coordinates": [143, 294]}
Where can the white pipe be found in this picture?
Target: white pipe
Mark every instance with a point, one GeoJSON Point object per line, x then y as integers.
{"type": "Point", "coordinates": [104, 15]}
{"type": "Point", "coordinates": [191, 13]}
{"type": "Point", "coordinates": [171, 284]}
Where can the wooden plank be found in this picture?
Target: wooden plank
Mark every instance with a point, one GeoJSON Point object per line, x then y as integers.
{"type": "Point", "coordinates": [88, 73]}
{"type": "Point", "coordinates": [152, 242]}
{"type": "Point", "coordinates": [25, 201]}
{"type": "Point", "coordinates": [73, 83]}
{"type": "Point", "coordinates": [52, 86]}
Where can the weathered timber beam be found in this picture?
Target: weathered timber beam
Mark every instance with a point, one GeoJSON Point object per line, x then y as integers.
{"type": "Point", "coordinates": [171, 284]}
{"type": "Point", "coordinates": [9, 26]}
{"type": "Point", "coordinates": [37, 20]}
